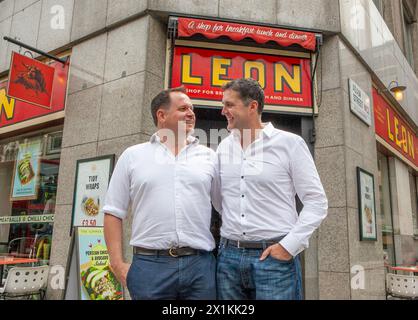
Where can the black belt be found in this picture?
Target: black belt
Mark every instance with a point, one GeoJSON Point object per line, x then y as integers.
{"type": "Point", "coordinates": [173, 252]}
{"type": "Point", "coordinates": [263, 244]}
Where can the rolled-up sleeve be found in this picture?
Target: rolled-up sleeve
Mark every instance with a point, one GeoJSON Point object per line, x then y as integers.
{"type": "Point", "coordinates": [118, 194]}
{"type": "Point", "coordinates": [309, 188]}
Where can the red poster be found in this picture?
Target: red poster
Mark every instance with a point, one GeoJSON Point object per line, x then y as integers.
{"type": "Point", "coordinates": [393, 129]}
{"type": "Point", "coordinates": [14, 111]}
{"type": "Point", "coordinates": [30, 81]}
{"type": "Point", "coordinates": [213, 29]}
{"type": "Point", "coordinates": [286, 80]}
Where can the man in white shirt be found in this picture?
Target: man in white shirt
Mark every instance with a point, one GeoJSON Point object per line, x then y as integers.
{"type": "Point", "coordinates": [168, 183]}
{"type": "Point", "coordinates": [261, 171]}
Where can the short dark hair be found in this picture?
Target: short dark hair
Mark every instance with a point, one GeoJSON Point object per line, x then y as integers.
{"type": "Point", "coordinates": [249, 90]}
{"type": "Point", "coordinates": [162, 100]}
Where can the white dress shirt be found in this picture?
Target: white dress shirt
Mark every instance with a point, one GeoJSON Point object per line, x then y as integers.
{"type": "Point", "coordinates": [259, 185]}
{"type": "Point", "coordinates": [170, 196]}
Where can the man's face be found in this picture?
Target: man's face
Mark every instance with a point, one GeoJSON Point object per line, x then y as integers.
{"type": "Point", "coordinates": [234, 110]}
{"type": "Point", "coordinates": [180, 115]}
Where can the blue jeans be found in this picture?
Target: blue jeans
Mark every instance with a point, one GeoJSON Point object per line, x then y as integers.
{"type": "Point", "coordinates": [169, 278]}
{"type": "Point", "coordinates": [242, 276]}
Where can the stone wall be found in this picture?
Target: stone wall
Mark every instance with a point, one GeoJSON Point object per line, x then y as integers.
{"type": "Point", "coordinates": [112, 81]}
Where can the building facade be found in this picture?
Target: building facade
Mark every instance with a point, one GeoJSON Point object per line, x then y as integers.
{"type": "Point", "coordinates": [122, 53]}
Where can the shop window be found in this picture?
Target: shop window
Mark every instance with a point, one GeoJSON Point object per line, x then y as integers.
{"type": "Point", "coordinates": [386, 210]}
{"type": "Point", "coordinates": [28, 180]}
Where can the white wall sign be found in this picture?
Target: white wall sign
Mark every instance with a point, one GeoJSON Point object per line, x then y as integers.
{"type": "Point", "coordinates": [360, 102]}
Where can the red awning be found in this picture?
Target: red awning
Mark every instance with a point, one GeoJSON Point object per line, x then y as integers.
{"type": "Point", "coordinates": [236, 31]}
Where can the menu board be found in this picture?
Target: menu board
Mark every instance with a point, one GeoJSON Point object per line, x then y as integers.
{"type": "Point", "coordinates": [91, 183]}
{"type": "Point", "coordinates": [95, 279]}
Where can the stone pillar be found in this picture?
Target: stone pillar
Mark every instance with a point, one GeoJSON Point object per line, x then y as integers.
{"type": "Point", "coordinates": [113, 76]}
{"type": "Point", "coordinates": [333, 269]}
{"type": "Point", "coordinates": [345, 143]}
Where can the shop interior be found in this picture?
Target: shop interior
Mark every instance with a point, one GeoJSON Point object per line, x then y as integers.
{"type": "Point", "coordinates": [26, 224]}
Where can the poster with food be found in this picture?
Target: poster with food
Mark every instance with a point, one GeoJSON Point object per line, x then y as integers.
{"type": "Point", "coordinates": [92, 180]}
{"type": "Point", "coordinates": [26, 171]}
{"type": "Point", "coordinates": [96, 280]}
{"type": "Point", "coordinates": [367, 208]}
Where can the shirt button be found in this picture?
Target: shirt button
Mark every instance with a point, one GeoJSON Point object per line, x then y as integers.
{"type": "Point", "coordinates": [244, 233]}
{"type": "Point", "coordinates": [242, 177]}
{"type": "Point", "coordinates": [243, 216]}
{"type": "Point", "coordinates": [242, 196]}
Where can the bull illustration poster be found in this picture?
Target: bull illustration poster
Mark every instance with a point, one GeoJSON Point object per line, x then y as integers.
{"type": "Point", "coordinates": [30, 81]}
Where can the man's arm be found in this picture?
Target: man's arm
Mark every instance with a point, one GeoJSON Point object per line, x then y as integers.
{"type": "Point", "coordinates": [115, 210]}
{"type": "Point", "coordinates": [309, 188]}
{"type": "Point", "coordinates": [113, 237]}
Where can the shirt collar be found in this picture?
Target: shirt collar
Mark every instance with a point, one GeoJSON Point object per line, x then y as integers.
{"type": "Point", "coordinates": [268, 130]}
{"type": "Point", "coordinates": [190, 139]}
{"type": "Point", "coordinates": [155, 138]}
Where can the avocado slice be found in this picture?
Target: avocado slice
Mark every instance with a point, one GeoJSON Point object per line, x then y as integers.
{"type": "Point", "coordinates": [91, 275]}
{"type": "Point", "coordinates": [97, 277]}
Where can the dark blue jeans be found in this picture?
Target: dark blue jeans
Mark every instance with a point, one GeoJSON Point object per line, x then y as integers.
{"type": "Point", "coordinates": [242, 276]}
{"type": "Point", "coordinates": [169, 278]}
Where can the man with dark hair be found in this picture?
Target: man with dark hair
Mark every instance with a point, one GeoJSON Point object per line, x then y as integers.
{"type": "Point", "coordinates": [162, 101]}
{"type": "Point", "coordinates": [249, 90]}
{"type": "Point", "coordinates": [168, 182]}
{"type": "Point", "coordinates": [261, 171]}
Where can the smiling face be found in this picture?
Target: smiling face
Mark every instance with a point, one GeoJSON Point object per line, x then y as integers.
{"type": "Point", "coordinates": [179, 116]}
{"type": "Point", "coordinates": [235, 110]}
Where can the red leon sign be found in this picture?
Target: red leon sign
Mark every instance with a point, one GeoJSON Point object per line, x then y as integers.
{"type": "Point", "coordinates": [14, 111]}
{"type": "Point", "coordinates": [214, 29]}
{"type": "Point", "coordinates": [391, 127]}
{"type": "Point", "coordinates": [286, 80]}
{"type": "Point", "coordinates": [30, 81]}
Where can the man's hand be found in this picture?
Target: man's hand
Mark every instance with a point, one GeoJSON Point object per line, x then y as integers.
{"type": "Point", "coordinates": [277, 252]}
{"type": "Point", "coordinates": [120, 271]}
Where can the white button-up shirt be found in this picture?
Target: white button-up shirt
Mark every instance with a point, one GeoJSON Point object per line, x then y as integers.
{"type": "Point", "coordinates": [170, 196]}
{"type": "Point", "coordinates": [259, 185]}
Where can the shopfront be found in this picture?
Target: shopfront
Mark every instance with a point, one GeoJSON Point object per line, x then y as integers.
{"type": "Point", "coordinates": [397, 146]}
{"type": "Point", "coordinates": [202, 55]}
{"type": "Point", "coordinates": [30, 152]}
